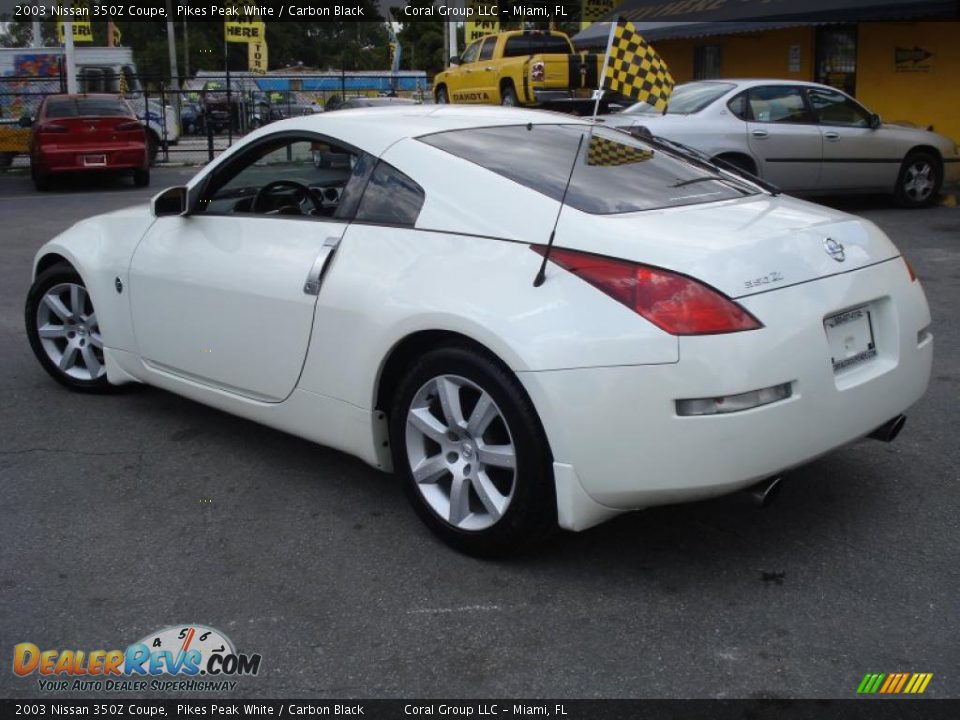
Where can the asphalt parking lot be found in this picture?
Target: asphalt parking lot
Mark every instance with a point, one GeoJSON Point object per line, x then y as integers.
{"type": "Point", "coordinates": [124, 514]}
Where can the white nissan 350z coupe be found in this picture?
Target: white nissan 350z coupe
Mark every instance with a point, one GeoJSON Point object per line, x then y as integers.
{"type": "Point", "coordinates": [534, 321]}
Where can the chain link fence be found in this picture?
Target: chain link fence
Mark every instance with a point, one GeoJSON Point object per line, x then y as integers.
{"type": "Point", "coordinates": [192, 122]}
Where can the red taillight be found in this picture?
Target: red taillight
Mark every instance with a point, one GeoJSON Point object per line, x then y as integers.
{"type": "Point", "coordinates": [910, 270]}
{"type": "Point", "coordinates": [132, 125]}
{"type": "Point", "coordinates": [675, 303]}
{"type": "Point", "coordinates": [52, 128]}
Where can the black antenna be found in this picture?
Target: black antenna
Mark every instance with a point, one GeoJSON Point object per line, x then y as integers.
{"type": "Point", "coordinates": [542, 275]}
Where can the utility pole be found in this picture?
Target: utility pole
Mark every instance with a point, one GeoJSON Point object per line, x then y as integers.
{"type": "Point", "coordinates": [172, 48]}
{"type": "Point", "coordinates": [36, 39]}
{"type": "Point", "coordinates": [70, 57]}
{"type": "Point", "coordinates": [186, 51]}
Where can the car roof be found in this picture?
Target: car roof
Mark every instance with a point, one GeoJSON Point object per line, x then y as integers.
{"type": "Point", "coordinates": [375, 129]}
{"type": "Point", "coordinates": [753, 82]}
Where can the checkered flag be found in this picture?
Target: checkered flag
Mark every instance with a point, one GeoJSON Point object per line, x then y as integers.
{"type": "Point", "coordinates": [634, 69]}
{"type": "Point", "coordinates": [604, 152]}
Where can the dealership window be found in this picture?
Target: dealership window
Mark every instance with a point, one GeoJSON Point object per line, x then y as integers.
{"type": "Point", "coordinates": [837, 57]}
{"type": "Point", "coordinates": [706, 62]}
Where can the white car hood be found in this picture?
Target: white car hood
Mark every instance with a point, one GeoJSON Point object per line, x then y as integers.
{"type": "Point", "coordinates": [740, 247]}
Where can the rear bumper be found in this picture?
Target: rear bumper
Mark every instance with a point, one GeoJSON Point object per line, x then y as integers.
{"type": "Point", "coordinates": [618, 428]}
{"type": "Point", "coordinates": [72, 159]}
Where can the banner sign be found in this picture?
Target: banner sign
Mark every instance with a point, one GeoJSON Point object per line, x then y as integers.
{"type": "Point", "coordinates": [257, 56]}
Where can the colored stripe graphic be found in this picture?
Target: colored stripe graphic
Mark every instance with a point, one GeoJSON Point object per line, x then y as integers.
{"type": "Point", "coordinates": [894, 683]}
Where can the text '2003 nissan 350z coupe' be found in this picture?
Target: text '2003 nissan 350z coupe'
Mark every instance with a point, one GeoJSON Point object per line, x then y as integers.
{"type": "Point", "coordinates": [534, 321]}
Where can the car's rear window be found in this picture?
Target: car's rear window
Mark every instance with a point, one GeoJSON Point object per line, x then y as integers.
{"type": "Point", "coordinates": [519, 45]}
{"type": "Point", "coordinates": [87, 107]}
{"type": "Point", "coordinates": [613, 172]}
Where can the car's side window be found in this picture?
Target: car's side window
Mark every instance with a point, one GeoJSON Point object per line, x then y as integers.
{"type": "Point", "coordinates": [291, 176]}
{"type": "Point", "coordinates": [390, 198]}
{"type": "Point", "coordinates": [470, 54]}
{"type": "Point", "coordinates": [739, 107]}
{"type": "Point", "coordinates": [489, 45]}
{"type": "Point", "coordinates": [778, 104]}
{"type": "Point", "coordinates": [833, 108]}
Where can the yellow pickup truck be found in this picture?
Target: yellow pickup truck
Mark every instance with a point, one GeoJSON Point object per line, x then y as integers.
{"type": "Point", "coordinates": [522, 67]}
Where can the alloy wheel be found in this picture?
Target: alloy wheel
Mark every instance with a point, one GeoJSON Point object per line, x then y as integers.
{"type": "Point", "coordinates": [461, 453]}
{"type": "Point", "coordinates": [69, 332]}
{"type": "Point", "coordinates": [919, 180]}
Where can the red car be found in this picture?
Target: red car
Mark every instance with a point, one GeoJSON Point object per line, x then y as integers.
{"type": "Point", "coordinates": [87, 133]}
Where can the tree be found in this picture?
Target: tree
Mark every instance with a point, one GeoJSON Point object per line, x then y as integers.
{"type": "Point", "coordinates": [422, 39]}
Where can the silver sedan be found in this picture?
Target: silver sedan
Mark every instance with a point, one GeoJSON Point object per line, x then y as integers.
{"type": "Point", "coordinates": [803, 137]}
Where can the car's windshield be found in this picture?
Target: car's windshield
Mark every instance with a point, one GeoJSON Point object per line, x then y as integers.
{"type": "Point", "coordinates": [613, 172]}
{"type": "Point", "coordinates": [686, 99]}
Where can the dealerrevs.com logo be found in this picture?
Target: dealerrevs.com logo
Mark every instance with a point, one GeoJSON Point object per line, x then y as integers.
{"type": "Point", "coordinates": [198, 658]}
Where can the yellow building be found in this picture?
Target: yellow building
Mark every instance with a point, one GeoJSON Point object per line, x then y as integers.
{"type": "Point", "coordinates": [907, 70]}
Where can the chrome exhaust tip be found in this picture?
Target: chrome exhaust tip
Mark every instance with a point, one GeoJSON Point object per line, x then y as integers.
{"type": "Point", "coordinates": [889, 430]}
{"type": "Point", "coordinates": [763, 493]}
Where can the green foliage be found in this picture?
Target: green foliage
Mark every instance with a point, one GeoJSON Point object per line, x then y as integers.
{"type": "Point", "coordinates": [422, 40]}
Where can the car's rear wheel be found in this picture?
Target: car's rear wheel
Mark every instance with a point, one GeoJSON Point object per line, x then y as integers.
{"type": "Point", "coordinates": [474, 458]}
{"type": "Point", "coordinates": [41, 181]}
{"type": "Point", "coordinates": [153, 147]}
{"type": "Point", "coordinates": [508, 96]}
{"type": "Point", "coordinates": [141, 178]}
{"type": "Point", "coordinates": [921, 176]}
{"type": "Point", "coordinates": [64, 331]}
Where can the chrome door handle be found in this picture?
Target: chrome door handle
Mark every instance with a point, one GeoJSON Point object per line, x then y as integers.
{"type": "Point", "coordinates": [488, 69]}
{"type": "Point", "coordinates": [760, 133]}
{"type": "Point", "coordinates": [832, 135]}
{"type": "Point", "coordinates": [312, 285]}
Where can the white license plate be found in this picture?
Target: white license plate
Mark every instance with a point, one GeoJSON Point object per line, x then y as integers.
{"type": "Point", "coordinates": [850, 338]}
{"type": "Point", "coordinates": [94, 160]}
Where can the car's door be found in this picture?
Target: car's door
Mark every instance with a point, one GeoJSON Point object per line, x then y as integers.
{"type": "Point", "coordinates": [225, 295]}
{"type": "Point", "coordinates": [486, 72]}
{"type": "Point", "coordinates": [783, 136]}
{"type": "Point", "coordinates": [855, 154]}
{"type": "Point", "coordinates": [464, 80]}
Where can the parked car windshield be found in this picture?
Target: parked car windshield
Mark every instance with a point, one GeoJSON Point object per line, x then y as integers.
{"type": "Point", "coordinates": [686, 99]}
{"type": "Point", "coordinates": [613, 172]}
{"type": "Point", "coordinates": [86, 107]}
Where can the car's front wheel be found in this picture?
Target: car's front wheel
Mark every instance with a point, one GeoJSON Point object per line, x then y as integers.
{"type": "Point", "coordinates": [64, 331]}
{"type": "Point", "coordinates": [473, 455]}
{"type": "Point", "coordinates": [442, 97]}
{"type": "Point", "coordinates": [921, 176]}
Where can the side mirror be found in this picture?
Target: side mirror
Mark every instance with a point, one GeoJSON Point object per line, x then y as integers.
{"type": "Point", "coordinates": [25, 121]}
{"type": "Point", "coordinates": [454, 61]}
{"type": "Point", "coordinates": [875, 121]}
{"type": "Point", "coordinates": [172, 201]}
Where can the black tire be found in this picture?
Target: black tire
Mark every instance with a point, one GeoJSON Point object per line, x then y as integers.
{"type": "Point", "coordinates": [442, 97]}
{"type": "Point", "coordinates": [48, 279]}
{"type": "Point", "coordinates": [141, 178]}
{"type": "Point", "coordinates": [508, 96]}
{"type": "Point", "coordinates": [153, 147]}
{"type": "Point", "coordinates": [41, 181]}
{"type": "Point", "coordinates": [741, 162]}
{"type": "Point", "coordinates": [911, 194]}
{"type": "Point", "coordinates": [531, 510]}
{"type": "Point", "coordinates": [6, 159]}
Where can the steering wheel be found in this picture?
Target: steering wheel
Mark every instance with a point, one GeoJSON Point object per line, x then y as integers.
{"type": "Point", "coordinates": [304, 193]}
